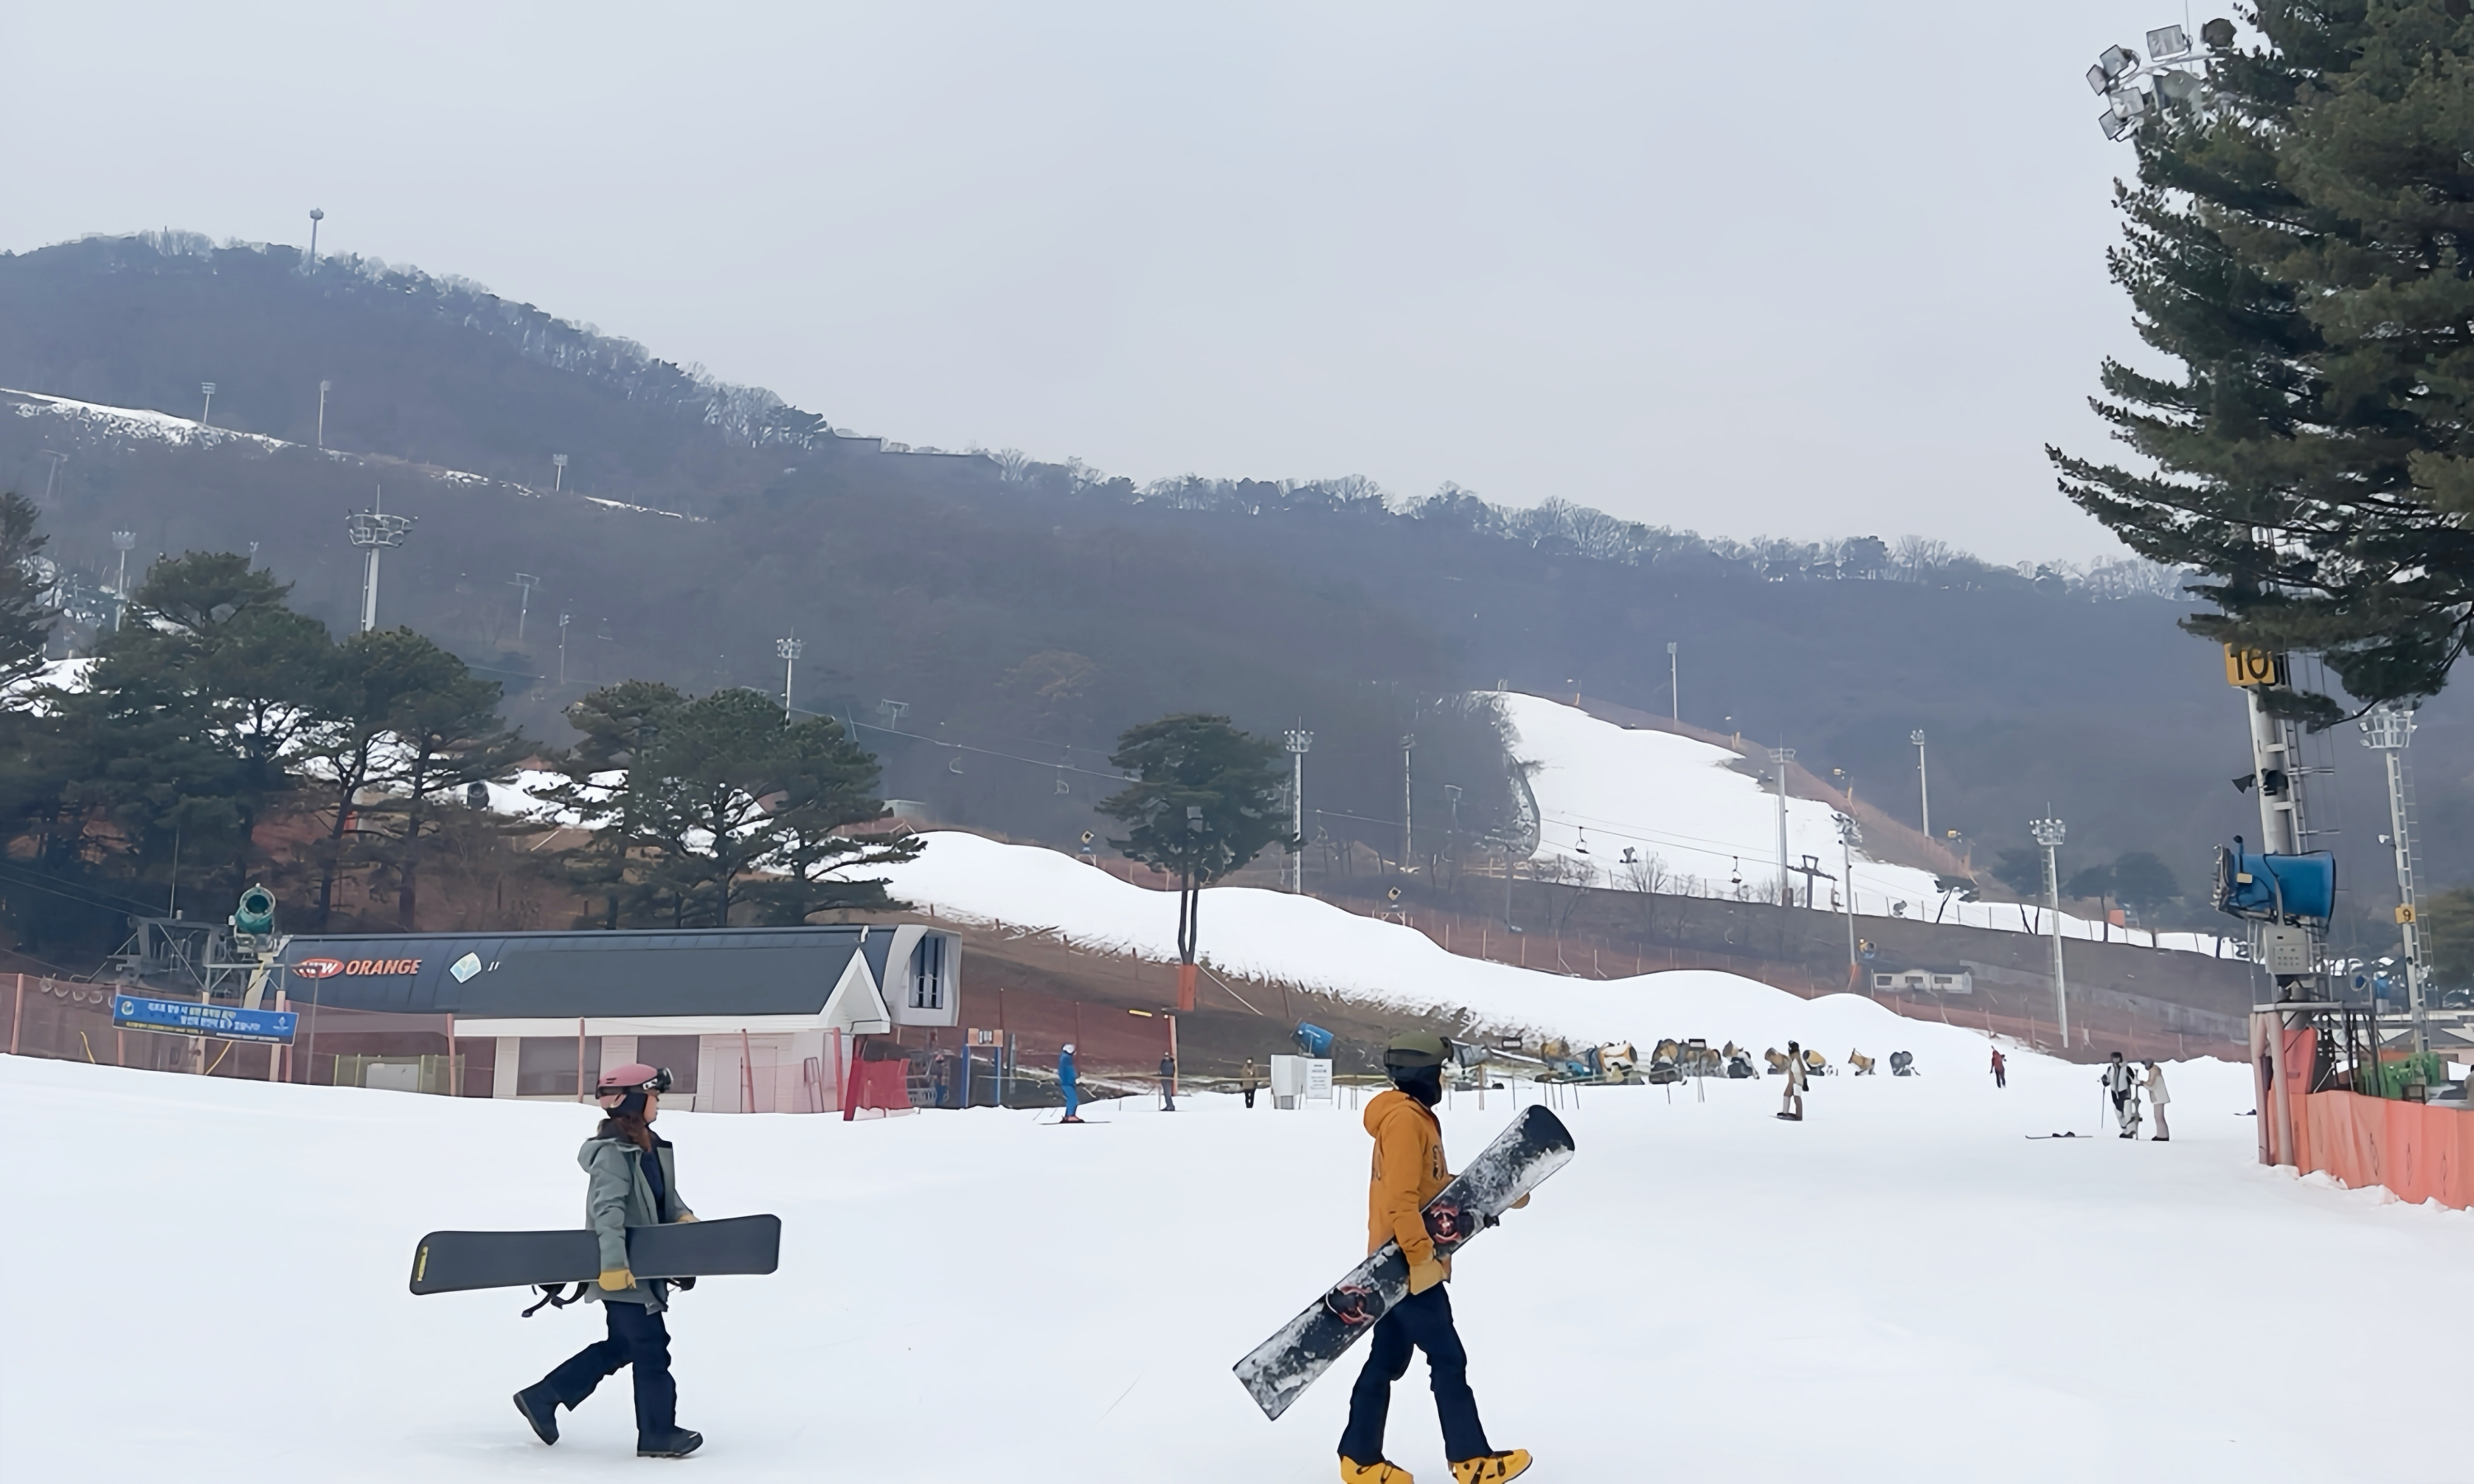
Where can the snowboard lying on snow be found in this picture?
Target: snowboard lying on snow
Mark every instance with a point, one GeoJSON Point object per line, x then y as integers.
{"type": "Point", "coordinates": [1521, 1156]}
{"type": "Point", "coordinates": [453, 1261]}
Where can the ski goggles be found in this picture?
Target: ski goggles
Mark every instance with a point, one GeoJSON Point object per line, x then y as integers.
{"type": "Point", "coordinates": [658, 1082]}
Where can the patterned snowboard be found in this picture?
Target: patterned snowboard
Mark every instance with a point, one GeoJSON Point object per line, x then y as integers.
{"type": "Point", "coordinates": [1521, 1156]}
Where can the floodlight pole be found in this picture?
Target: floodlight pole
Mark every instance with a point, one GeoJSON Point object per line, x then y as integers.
{"type": "Point", "coordinates": [1298, 740]}
{"type": "Point", "coordinates": [1780, 757]}
{"type": "Point", "coordinates": [207, 419]}
{"type": "Point", "coordinates": [373, 530]}
{"type": "Point", "coordinates": [1674, 685]}
{"type": "Point", "coordinates": [52, 479]}
{"type": "Point", "coordinates": [1849, 835]}
{"type": "Point", "coordinates": [2386, 729]}
{"type": "Point", "coordinates": [790, 649]}
{"type": "Point", "coordinates": [558, 473]}
{"type": "Point", "coordinates": [563, 620]}
{"type": "Point", "coordinates": [323, 386]}
{"type": "Point", "coordinates": [1407, 830]}
{"type": "Point", "coordinates": [1924, 785]}
{"type": "Point", "coordinates": [122, 541]}
{"type": "Point", "coordinates": [525, 582]}
{"type": "Point", "coordinates": [316, 216]}
{"type": "Point", "coordinates": [2048, 834]}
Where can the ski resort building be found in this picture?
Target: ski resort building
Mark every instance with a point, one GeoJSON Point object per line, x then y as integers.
{"type": "Point", "coordinates": [747, 1020]}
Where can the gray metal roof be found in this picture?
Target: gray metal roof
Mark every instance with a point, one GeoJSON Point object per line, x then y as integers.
{"type": "Point", "coordinates": [750, 971]}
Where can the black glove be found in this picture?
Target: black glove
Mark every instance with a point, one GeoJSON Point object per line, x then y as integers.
{"type": "Point", "coordinates": [683, 1284]}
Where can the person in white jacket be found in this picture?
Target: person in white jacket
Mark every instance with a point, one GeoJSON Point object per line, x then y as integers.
{"type": "Point", "coordinates": [1791, 1103]}
{"type": "Point", "coordinates": [2121, 1081]}
{"type": "Point", "coordinates": [2157, 1098]}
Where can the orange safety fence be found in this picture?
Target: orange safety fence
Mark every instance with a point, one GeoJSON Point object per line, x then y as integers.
{"type": "Point", "coordinates": [2419, 1151]}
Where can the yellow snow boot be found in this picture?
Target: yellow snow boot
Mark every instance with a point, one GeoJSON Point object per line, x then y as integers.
{"type": "Point", "coordinates": [1379, 1471]}
{"type": "Point", "coordinates": [1492, 1468]}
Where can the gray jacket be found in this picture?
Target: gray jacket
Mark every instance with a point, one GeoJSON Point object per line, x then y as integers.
{"type": "Point", "coordinates": [617, 1196]}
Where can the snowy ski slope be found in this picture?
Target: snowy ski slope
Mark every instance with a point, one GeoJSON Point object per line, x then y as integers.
{"type": "Point", "coordinates": [1601, 789]}
{"type": "Point", "coordinates": [204, 1281]}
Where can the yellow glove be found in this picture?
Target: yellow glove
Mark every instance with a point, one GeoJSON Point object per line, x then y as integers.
{"type": "Point", "coordinates": [1518, 1205]}
{"type": "Point", "coordinates": [688, 1215]}
{"type": "Point", "coordinates": [1427, 1274]}
{"type": "Point", "coordinates": [617, 1279]}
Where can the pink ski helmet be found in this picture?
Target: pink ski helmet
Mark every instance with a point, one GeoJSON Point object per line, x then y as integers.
{"type": "Point", "coordinates": [619, 1082]}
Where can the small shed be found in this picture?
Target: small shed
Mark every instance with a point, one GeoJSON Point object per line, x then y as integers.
{"type": "Point", "coordinates": [747, 1020]}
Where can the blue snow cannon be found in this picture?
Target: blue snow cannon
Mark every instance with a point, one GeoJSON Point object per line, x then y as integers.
{"type": "Point", "coordinates": [2271, 887]}
{"type": "Point", "coordinates": [1314, 1041]}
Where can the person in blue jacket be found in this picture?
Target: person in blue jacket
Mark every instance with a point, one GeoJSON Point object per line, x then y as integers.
{"type": "Point", "coordinates": [1065, 1083]}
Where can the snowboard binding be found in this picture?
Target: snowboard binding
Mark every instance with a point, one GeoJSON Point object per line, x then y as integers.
{"type": "Point", "coordinates": [1356, 1303]}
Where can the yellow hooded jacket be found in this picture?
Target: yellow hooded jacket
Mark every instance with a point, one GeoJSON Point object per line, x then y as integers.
{"type": "Point", "coordinates": [1409, 1171]}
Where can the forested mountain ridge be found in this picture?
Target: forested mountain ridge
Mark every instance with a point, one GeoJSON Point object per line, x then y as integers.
{"type": "Point", "coordinates": [1032, 610]}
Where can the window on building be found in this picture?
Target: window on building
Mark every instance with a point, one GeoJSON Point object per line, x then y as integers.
{"type": "Point", "coordinates": [678, 1053]}
{"type": "Point", "coordinates": [927, 974]}
{"type": "Point", "coordinates": [546, 1066]}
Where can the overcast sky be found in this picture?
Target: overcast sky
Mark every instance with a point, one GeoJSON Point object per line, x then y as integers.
{"type": "Point", "coordinates": [1804, 268]}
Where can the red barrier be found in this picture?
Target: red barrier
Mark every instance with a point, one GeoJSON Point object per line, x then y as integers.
{"type": "Point", "coordinates": [881, 1086]}
{"type": "Point", "coordinates": [2419, 1151]}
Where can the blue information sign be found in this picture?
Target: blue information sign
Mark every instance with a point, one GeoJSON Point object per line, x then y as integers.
{"type": "Point", "coordinates": [188, 1018]}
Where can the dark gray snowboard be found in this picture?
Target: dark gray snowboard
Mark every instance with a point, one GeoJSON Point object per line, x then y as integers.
{"type": "Point", "coordinates": [1521, 1156]}
{"type": "Point", "coordinates": [453, 1261]}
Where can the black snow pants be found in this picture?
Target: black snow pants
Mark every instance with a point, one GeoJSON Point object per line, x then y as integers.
{"type": "Point", "coordinates": [637, 1338]}
{"type": "Point", "coordinates": [1421, 1320]}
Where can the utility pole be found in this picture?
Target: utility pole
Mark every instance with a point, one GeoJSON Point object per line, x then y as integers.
{"type": "Point", "coordinates": [525, 583]}
{"type": "Point", "coordinates": [1407, 832]}
{"type": "Point", "coordinates": [2048, 834]}
{"type": "Point", "coordinates": [1780, 757]}
{"type": "Point", "coordinates": [373, 530]}
{"type": "Point", "coordinates": [323, 386]}
{"type": "Point", "coordinates": [563, 618]}
{"type": "Point", "coordinates": [1924, 786]}
{"type": "Point", "coordinates": [1850, 836]}
{"type": "Point", "coordinates": [558, 472]}
{"type": "Point", "coordinates": [207, 419]}
{"type": "Point", "coordinates": [1674, 685]}
{"type": "Point", "coordinates": [790, 649]}
{"type": "Point", "coordinates": [2386, 729]}
{"type": "Point", "coordinates": [122, 541]}
{"type": "Point", "coordinates": [1299, 740]}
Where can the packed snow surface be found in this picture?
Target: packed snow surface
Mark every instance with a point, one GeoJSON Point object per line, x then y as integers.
{"type": "Point", "coordinates": [1697, 827]}
{"type": "Point", "coordinates": [205, 1279]}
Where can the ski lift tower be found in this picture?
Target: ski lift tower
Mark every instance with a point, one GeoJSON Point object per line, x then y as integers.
{"type": "Point", "coordinates": [373, 530]}
{"type": "Point", "coordinates": [1299, 740]}
{"type": "Point", "coordinates": [2386, 729]}
{"type": "Point", "coordinates": [790, 650]}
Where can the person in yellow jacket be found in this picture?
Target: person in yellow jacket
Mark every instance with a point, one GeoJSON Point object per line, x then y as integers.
{"type": "Point", "coordinates": [1409, 1171]}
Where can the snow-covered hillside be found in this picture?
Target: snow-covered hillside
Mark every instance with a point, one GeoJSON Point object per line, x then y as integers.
{"type": "Point", "coordinates": [205, 1279]}
{"type": "Point", "coordinates": [1703, 828]}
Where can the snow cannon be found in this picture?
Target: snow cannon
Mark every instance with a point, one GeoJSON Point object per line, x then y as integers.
{"type": "Point", "coordinates": [1313, 1039]}
{"type": "Point", "coordinates": [2267, 888]}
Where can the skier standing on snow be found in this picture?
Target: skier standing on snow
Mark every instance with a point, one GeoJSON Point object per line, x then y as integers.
{"type": "Point", "coordinates": [1065, 1081]}
{"type": "Point", "coordinates": [632, 1180]}
{"type": "Point", "coordinates": [1791, 1102]}
{"type": "Point", "coordinates": [1247, 1078]}
{"type": "Point", "coordinates": [2157, 1098]}
{"type": "Point", "coordinates": [2124, 1084]}
{"type": "Point", "coordinates": [1168, 1082]}
{"type": "Point", "coordinates": [2000, 1066]}
{"type": "Point", "coordinates": [1408, 1172]}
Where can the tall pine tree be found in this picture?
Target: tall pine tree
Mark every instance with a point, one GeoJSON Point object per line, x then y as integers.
{"type": "Point", "coordinates": [2302, 244]}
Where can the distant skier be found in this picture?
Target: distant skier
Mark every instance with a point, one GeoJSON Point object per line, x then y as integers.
{"type": "Point", "coordinates": [2001, 1068]}
{"type": "Point", "coordinates": [2124, 1084]}
{"type": "Point", "coordinates": [940, 1071]}
{"type": "Point", "coordinates": [1408, 1172]}
{"type": "Point", "coordinates": [1168, 1082]}
{"type": "Point", "coordinates": [2157, 1098]}
{"type": "Point", "coordinates": [1791, 1101]}
{"type": "Point", "coordinates": [1065, 1081]}
{"type": "Point", "coordinates": [632, 1180]}
{"type": "Point", "coordinates": [1247, 1078]}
